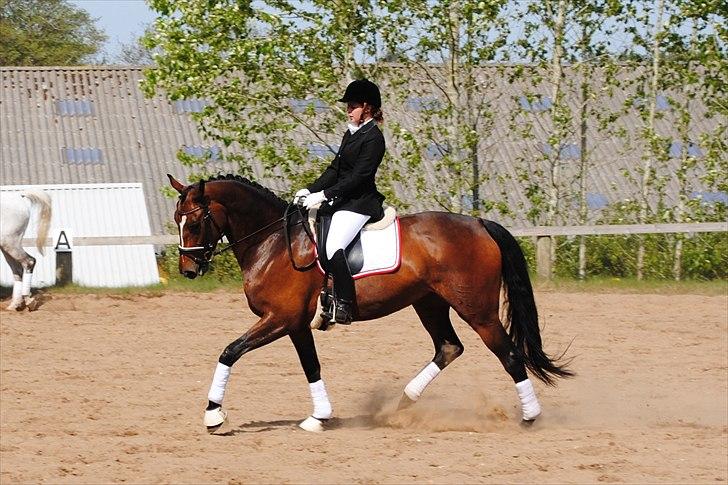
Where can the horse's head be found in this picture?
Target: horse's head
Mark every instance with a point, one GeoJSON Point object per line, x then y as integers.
{"type": "Point", "coordinates": [201, 221]}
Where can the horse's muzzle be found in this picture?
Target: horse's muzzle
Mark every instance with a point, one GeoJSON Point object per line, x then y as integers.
{"type": "Point", "coordinates": [189, 268]}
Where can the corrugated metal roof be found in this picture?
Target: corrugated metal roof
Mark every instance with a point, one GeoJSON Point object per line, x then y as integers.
{"type": "Point", "coordinates": [138, 138]}
{"type": "Point", "coordinates": [94, 210]}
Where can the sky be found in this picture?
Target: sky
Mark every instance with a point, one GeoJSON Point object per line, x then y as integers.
{"type": "Point", "coordinates": [122, 20]}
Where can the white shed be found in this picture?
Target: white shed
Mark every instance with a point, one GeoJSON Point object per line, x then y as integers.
{"type": "Point", "coordinates": [91, 210]}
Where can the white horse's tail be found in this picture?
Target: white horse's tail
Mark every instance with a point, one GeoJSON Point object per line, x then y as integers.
{"type": "Point", "coordinates": [40, 198]}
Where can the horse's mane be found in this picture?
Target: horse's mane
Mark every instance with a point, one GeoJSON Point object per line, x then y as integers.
{"type": "Point", "coordinates": [264, 191]}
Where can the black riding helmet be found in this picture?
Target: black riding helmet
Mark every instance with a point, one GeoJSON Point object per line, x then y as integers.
{"type": "Point", "coordinates": [363, 91]}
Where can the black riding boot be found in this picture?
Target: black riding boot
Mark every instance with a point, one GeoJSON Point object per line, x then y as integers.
{"type": "Point", "coordinates": [343, 288]}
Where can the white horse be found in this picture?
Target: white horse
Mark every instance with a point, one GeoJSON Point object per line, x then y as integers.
{"type": "Point", "coordinates": [15, 215]}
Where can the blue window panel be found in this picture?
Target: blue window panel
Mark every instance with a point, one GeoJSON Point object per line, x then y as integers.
{"type": "Point", "coordinates": [423, 103]}
{"type": "Point", "coordinates": [570, 151]}
{"type": "Point", "coordinates": [693, 150]}
{"type": "Point", "coordinates": [466, 201]}
{"type": "Point", "coordinates": [73, 107]}
{"type": "Point", "coordinates": [318, 150]}
{"type": "Point", "coordinates": [662, 103]}
{"type": "Point", "coordinates": [82, 156]}
{"type": "Point", "coordinates": [435, 151]}
{"type": "Point", "coordinates": [192, 105]}
{"type": "Point", "coordinates": [545, 148]}
{"type": "Point", "coordinates": [537, 105]}
{"type": "Point", "coordinates": [301, 105]}
{"type": "Point", "coordinates": [711, 197]}
{"type": "Point", "coordinates": [213, 152]}
{"type": "Point", "coordinates": [595, 200]}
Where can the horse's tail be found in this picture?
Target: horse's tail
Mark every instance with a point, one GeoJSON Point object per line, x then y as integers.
{"type": "Point", "coordinates": [521, 314]}
{"type": "Point", "coordinates": [43, 201]}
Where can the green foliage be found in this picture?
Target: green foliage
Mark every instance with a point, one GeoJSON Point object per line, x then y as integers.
{"type": "Point", "coordinates": [224, 267]}
{"type": "Point", "coordinates": [46, 33]}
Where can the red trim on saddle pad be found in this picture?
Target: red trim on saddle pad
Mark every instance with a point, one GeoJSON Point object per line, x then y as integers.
{"type": "Point", "coordinates": [378, 271]}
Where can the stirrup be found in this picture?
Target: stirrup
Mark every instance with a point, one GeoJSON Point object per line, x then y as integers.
{"type": "Point", "coordinates": [342, 312]}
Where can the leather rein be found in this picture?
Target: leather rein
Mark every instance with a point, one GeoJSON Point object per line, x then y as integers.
{"type": "Point", "coordinates": [210, 252]}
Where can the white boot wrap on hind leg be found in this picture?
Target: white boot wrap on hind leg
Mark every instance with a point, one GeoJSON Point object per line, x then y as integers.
{"type": "Point", "coordinates": [17, 290]}
{"type": "Point", "coordinates": [529, 403]}
{"type": "Point", "coordinates": [321, 404]}
{"type": "Point", "coordinates": [219, 382]}
{"type": "Point", "coordinates": [27, 276]}
{"type": "Point", "coordinates": [417, 385]}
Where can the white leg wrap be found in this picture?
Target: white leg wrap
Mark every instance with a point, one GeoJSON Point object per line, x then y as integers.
{"type": "Point", "coordinates": [219, 382]}
{"type": "Point", "coordinates": [27, 276]}
{"type": "Point", "coordinates": [17, 290]}
{"type": "Point", "coordinates": [321, 404]}
{"type": "Point", "coordinates": [419, 383]}
{"type": "Point", "coordinates": [529, 403]}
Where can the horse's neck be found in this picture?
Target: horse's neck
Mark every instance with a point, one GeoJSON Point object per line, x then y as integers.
{"type": "Point", "coordinates": [248, 213]}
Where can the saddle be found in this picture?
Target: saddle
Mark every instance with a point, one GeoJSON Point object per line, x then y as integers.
{"type": "Point", "coordinates": [371, 251]}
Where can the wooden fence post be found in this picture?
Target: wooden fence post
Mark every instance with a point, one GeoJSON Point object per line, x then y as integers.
{"type": "Point", "coordinates": [64, 260]}
{"type": "Point", "coordinates": [543, 256]}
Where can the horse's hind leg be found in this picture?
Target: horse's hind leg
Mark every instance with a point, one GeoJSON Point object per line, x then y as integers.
{"type": "Point", "coordinates": [306, 348]}
{"type": "Point", "coordinates": [11, 256]}
{"type": "Point", "coordinates": [435, 315]}
{"type": "Point", "coordinates": [496, 338]}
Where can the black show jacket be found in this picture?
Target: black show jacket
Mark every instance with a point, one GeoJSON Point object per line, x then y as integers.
{"type": "Point", "coordinates": [349, 180]}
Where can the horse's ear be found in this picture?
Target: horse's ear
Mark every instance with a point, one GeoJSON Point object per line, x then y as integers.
{"type": "Point", "coordinates": [176, 185]}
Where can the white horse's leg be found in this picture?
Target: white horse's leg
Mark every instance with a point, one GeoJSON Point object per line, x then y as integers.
{"type": "Point", "coordinates": [322, 410]}
{"type": "Point", "coordinates": [16, 302]}
{"type": "Point", "coordinates": [30, 302]}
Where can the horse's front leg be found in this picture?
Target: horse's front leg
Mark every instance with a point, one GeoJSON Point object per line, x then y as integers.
{"type": "Point", "coordinates": [302, 339]}
{"type": "Point", "coordinates": [265, 331]}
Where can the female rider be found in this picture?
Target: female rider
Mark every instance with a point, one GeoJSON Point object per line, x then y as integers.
{"type": "Point", "coordinates": [347, 191]}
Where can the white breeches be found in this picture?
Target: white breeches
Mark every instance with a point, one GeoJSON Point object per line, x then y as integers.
{"type": "Point", "coordinates": [345, 225]}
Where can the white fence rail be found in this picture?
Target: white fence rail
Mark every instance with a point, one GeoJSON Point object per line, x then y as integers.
{"type": "Point", "coordinates": [543, 235]}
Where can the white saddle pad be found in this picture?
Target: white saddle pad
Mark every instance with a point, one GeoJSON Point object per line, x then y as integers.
{"type": "Point", "coordinates": [381, 249]}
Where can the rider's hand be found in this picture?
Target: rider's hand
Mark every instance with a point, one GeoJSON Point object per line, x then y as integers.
{"type": "Point", "coordinates": [314, 200]}
{"type": "Point", "coordinates": [300, 195]}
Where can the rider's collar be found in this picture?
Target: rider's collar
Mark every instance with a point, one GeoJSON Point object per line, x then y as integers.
{"type": "Point", "coordinates": [353, 128]}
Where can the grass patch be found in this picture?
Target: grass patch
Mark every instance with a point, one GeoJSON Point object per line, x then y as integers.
{"type": "Point", "coordinates": [564, 285]}
{"type": "Point", "coordinates": [632, 285]}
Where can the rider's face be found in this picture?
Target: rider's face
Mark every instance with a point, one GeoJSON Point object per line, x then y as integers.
{"type": "Point", "coordinates": [354, 111]}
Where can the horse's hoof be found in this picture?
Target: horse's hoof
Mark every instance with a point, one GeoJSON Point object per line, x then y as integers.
{"type": "Point", "coordinates": [18, 307]}
{"type": "Point", "coordinates": [527, 423]}
{"type": "Point", "coordinates": [32, 304]}
{"type": "Point", "coordinates": [312, 424]}
{"type": "Point", "coordinates": [405, 402]}
{"type": "Point", "coordinates": [214, 419]}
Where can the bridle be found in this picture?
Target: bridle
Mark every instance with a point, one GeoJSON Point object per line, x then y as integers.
{"type": "Point", "coordinates": [209, 251]}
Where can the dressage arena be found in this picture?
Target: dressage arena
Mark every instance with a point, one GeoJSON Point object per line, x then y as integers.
{"type": "Point", "coordinates": [102, 389]}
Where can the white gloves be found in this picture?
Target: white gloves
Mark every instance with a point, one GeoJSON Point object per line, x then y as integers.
{"type": "Point", "coordinates": [314, 200]}
{"type": "Point", "coordinates": [299, 195]}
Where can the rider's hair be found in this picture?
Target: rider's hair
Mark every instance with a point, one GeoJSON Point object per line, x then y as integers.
{"type": "Point", "coordinates": [378, 115]}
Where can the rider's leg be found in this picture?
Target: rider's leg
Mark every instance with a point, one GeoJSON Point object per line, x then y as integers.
{"type": "Point", "coordinates": [345, 225]}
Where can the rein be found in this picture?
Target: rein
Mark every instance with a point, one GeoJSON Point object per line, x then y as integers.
{"type": "Point", "coordinates": [209, 246]}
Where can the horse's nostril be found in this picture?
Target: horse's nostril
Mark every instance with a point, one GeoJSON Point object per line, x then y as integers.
{"type": "Point", "coordinates": [190, 274]}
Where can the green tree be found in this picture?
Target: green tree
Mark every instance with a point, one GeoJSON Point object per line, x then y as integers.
{"type": "Point", "coordinates": [440, 69]}
{"type": "Point", "coordinates": [270, 74]}
{"type": "Point", "coordinates": [46, 33]}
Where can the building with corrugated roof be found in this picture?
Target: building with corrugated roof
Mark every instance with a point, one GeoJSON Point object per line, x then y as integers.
{"type": "Point", "coordinates": [92, 124]}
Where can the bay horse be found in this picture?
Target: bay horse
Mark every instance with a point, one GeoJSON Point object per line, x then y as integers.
{"type": "Point", "coordinates": [15, 213]}
{"type": "Point", "coordinates": [448, 261]}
